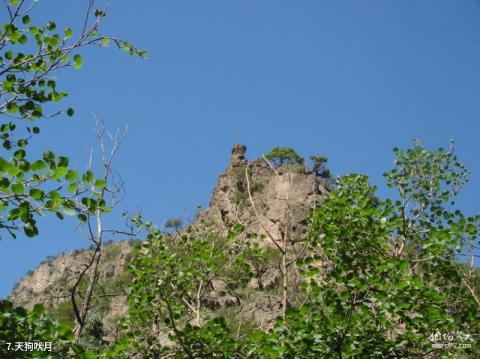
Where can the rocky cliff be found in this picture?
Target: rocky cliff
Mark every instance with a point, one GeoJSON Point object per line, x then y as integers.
{"type": "Point", "coordinates": [280, 196]}
{"type": "Point", "coordinates": [270, 203]}
{"type": "Point", "coordinates": [51, 281]}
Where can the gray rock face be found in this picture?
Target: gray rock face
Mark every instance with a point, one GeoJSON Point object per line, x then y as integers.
{"type": "Point", "coordinates": [238, 156]}
{"type": "Point", "coordinates": [281, 198]}
{"type": "Point", "coordinates": [265, 281]}
{"type": "Point", "coordinates": [263, 311]}
{"type": "Point", "coordinates": [50, 283]}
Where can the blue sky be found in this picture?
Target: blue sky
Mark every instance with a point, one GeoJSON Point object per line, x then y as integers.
{"type": "Point", "coordinates": [346, 79]}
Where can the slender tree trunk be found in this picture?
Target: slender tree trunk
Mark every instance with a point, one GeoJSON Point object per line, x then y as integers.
{"type": "Point", "coordinates": [197, 312]}
{"type": "Point", "coordinates": [285, 280]}
{"type": "Point", "coordinates": [93, 279]}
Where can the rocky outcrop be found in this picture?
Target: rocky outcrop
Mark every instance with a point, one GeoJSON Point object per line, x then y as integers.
{"type": "Point", "coordinates": [238, 156]}
{"type": "Point", "coordinates": [268, 202]}
{"type": "Point", "coordinates": [282, 197]}
{"type": "Point", "coordinates": [51, 281]}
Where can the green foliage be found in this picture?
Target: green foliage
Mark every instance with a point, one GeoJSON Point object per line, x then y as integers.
{"type": "Point", "coordinates": [63, 313]}
{"type": "Point", "coordinates": [379, 277]}
{"type": "Point", "coordinates": [118, 284]}
{"type": "Point", "coordinates": [280, 156]}
{"type": "Point", "coordinates": [111, 252]}
{"type": "Point", "coordinates": [135, 242]}
{"type": "Point", "coordinates": [212, 340]}
{"type": "Point", "coordinates": [372, 301]}
{"type": "Point", "coordinates": [427, 183]}
{"type": "Point", "coordinates": [32, 55]}
{"type": "Point", "coordinates": [171, 279]}
{"type": "Point", "coordinates": [174, 223]}
{"type": "Point", "coordinates": [323, 174]}
{"type": "Point", "coordinates": [393, 279]}
{"type": "Point", "coordinates": [368, 293]}
{"type": "Point", "coordinates": [256, 186]}
{"type": "Point", "coordinates": [319, 166]}
{"type": "Point", "coordinates": [94, 332]}
{"type": "Point", "coordinates": [431, 233]}
{"type": "Point", "coordinates": [239, 197]}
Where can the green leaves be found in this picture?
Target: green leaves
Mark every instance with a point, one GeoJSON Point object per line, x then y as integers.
{"type": "Point", "coordinates": [59, 172]}
{"type": "Point", "coordinates": [71, 175]}
{"type": "Point", "coordinates": [37, 194]}
{"type": "Point", "coordinates": [77, 61]}
{"type": "Point", "coordinates": [100, 13]}
{"type": "Point", "coordinates": [29, 72]}
{"type": "Point", "coordinates": [51, 26]}
{"type": "Point", "coordinates": [68, 32]}
{"type": "Point", "coordinates": [366, 291]}
{"type": "Point", "coordinates": [19, 154]}
{"type": "Point", "coordinates": [38, 166]}
{"type": "Point", "coordinates": [26, 20]}
{"type": "Point", "coordinates": [372, 286]}
{"type": "Point", "coordinates": [283, 155]}
{"type": "Point", "coordinates": [427, 183]}
{"type": "Point", "coordinates": [73, 187]}
{"type": "Point", "coordinates": [18, 188]}
{"type": "Point", "coordinates": [88, 176]}
{"type": "Point", "coordinates": [24, 196]}
{"type": "Point", "coordinates": [182, 268]}
{"type": "Point", "coordinates": [69, 211]}
{"type": "Point", "coordinates": [100, 184]}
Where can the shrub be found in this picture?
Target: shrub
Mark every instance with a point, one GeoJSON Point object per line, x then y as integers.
{"type": "Point", "coordinates": [239, 197]}
{"type": "Point", "coordinates": [256, 186]}
{"type": "Point", "coordinates": [174, 224]}
{"type": "Point", "coordinates": [319, 166]}
{"type": "Point", "coordinates": [76, 252]}
{"type": "Point", "coordinates": [280, 156]}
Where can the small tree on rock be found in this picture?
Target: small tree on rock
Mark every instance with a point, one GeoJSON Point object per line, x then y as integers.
{"type": "Point", "coordinates": [174, 224]}
{"type": "Point", "coordinates": [320, 167]}
{"type": "Point", "coordinates": [280, 156]}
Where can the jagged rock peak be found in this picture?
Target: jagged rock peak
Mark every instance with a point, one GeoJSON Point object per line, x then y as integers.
{"type": "Point", "coordinates": [238, 156]}
{"type": "Point", "coordinates": [287, 193]}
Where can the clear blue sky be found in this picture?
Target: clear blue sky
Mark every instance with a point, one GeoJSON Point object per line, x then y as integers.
{"type": "Point", "coordinates": [346, 79]}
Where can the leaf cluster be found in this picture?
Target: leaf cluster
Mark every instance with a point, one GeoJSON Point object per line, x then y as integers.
{"type": "Point", "coordinates": [280, 156]}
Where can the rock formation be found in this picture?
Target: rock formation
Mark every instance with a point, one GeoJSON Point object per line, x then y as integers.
{"type": "Point", "coordinates": [279, 195]}
{"type": "Point", "coordinates": [282, 199]}
{"type": "Point", "coordinates": [50, 283]}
